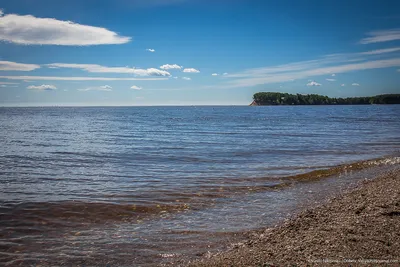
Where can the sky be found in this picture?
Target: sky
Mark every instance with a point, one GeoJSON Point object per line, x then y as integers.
{"type": "Point", "coordinates": [194, 52]}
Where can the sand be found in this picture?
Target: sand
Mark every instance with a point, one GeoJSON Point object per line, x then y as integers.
{"type": "Point", "coordinates": [357, 228]}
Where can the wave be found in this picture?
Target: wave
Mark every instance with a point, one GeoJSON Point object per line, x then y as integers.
{"type": "Point", "coordinates": [70, 213]}
{"type": "Point", "coordinates": [343, 169]}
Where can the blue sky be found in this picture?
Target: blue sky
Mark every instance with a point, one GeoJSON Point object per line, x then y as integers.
{"type": "Point", "coordinates": [194, 52]}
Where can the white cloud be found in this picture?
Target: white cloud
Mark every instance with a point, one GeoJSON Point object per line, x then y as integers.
{"type": "Point", "coordinates": [381, 51]}
{"type": "Point", "coordinates": [150, 50]}
{"type": "Point", "coordinates": [381, 36]}
{"type": "Point", "coordinates": [331, 80]}
{"type": "Point", "coordinates": [134, 87]}
{"type": "Point", "coordinates": [104, 69]}
{"type": "Point", "coordinates": [342, 84]}
{"type": "Point", "coordinates": [333, 75]}
{"type": "Point", "coordinates": [186, 78]}
{"type": "Point", "coordinates": [168, 66]}
{"type": "Point", "coordinates": [290, 67]}
{"type": "Point", "coordinates": [151, 72]}
{"type": "Point", "coordinates": [30, 30]}
{"type": "Point", "coordinates": [175, 77]}
{"type": "Point", "coordinates": [1, 12]}
{"type": "Point", "coordinates": [214, 74]}
{"type": "Point", "coordinates": [313, 83]}
{"type": "Point", "coordinates": [191, 70]}
{"type": "Point", "coordinates": [225, 73]}
{"type": "Point", "coordinates": [8, 65]}
{"type": "Point", "coordinates": [55, 78]}
{"type": "Point", "coordinates": [7, 83]}
{"type": "Point", "coordinates": [106, 88]}
{"type": "Point", "coordinates": [355, 84]}
{"type": "Point", "coordinates": [302, 70]}
{"type": "Point", "coordinates": [43, 87]}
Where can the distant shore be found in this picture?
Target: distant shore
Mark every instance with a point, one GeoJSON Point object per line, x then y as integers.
{"type": "Point", "coordinates": [275, 98]}
{"type": "Point", "coordinates": [358, 228]}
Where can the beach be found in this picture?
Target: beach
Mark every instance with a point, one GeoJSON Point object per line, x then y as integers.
{"type": "Point", "coordinates": [358, 227]}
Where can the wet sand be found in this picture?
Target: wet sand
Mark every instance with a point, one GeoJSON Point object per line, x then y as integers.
{"type": "Point", "coordinates": [360, 227]}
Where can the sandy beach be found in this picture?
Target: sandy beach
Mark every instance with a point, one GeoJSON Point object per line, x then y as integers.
{"type": "Point", "coordinates": [360, 227]}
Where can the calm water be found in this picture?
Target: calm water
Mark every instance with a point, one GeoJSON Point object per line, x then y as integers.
{"type": "Point", "coordinates": [132, 185]}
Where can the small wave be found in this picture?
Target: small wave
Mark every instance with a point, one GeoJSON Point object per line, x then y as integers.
{"type": "Point", "coordinates": [70, 213]}
{"type": "Point", "coordinates": [318, 174]}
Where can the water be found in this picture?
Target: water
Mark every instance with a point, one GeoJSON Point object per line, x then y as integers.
{"type": "Point", "coordinates": [78, 183]}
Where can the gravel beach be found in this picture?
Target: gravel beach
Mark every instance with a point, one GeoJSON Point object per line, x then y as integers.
{"type": "Point", "coordinates": [360, 227]}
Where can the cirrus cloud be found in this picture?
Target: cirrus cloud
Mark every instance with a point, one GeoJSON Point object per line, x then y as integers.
{"type": "Point", "coordinates": [14, 66]}
{"type": "Point", "coordinates": [30, 30]}
{"type": "Point", "coordinates": [186, 78]}
{"type": "Point", "coordinates": [381, 51]}
{"type": "Point", "coordinates": [94, 68]}
{"type": "Point", "coordinates": [70, 78]}
{"type": "Point", "coordinates": [7, 83]}
{"type": "Point", "coordinates": [305, 69]}
{"type": "Point", "coordinates": [381, 36]}
{"type": "Point", "coordinates": [43, 87]}
{"type": "Point", "coordinates": [355, 84]}
{"type": "Point", "coordinates": [105, 88]}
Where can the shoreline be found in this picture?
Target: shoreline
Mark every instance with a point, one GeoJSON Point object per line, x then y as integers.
{"type": "Point", "coordinates": [360, 226]}
{"type": "Point", "coordinates": [308, 191]}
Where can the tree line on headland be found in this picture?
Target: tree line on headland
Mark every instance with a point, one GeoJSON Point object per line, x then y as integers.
{"type": "Point", "coordinates": [273, 98]}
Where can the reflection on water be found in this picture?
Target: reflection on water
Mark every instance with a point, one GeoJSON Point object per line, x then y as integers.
{"type": "Point", "coordinates": [141, 185]}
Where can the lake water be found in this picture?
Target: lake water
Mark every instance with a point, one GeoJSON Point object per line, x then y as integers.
{"type": "Point", "coordinates": [136, 185]}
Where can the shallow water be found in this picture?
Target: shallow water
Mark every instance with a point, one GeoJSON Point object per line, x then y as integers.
{"type": "Point", "coordinates": [136, 185]}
